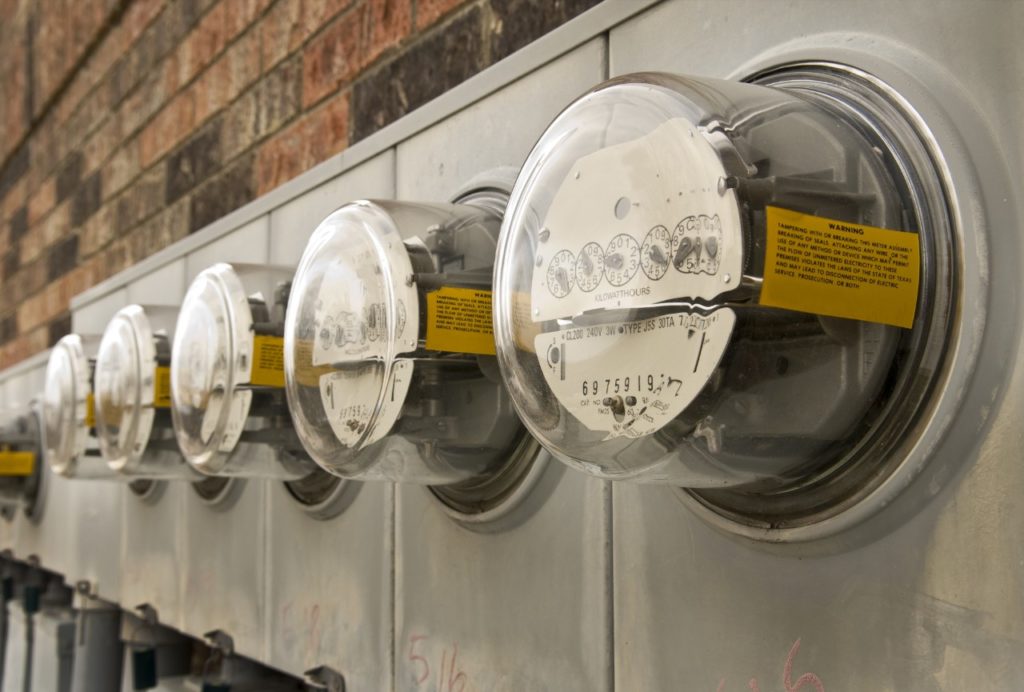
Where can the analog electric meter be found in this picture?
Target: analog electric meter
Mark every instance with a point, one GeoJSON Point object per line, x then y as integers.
{"type": "Point", "coordinates": [20, 467]}
{"type": "Point", "coordinates": [736, 288]}
{"type": "Point", "coordinates": [133, 396]}
{"type": "Point", "coordinates": [69, 419]}
{"type": "Point", "coordinates": [389, 351]}
{"type": "Point", "coordinates": [228, 404]}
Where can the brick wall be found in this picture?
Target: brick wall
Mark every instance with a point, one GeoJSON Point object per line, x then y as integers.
{"type": "Point", "coordinates": [125, 125]}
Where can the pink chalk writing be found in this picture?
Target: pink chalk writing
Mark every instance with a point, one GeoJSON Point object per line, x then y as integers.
{"type": "Point", "coordinates": [450, 678]}
{"type": "Point", "coordinates": [807, 680]}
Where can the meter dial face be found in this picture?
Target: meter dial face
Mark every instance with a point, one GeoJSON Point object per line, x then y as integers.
{"type": "Point", "coordinates": [656, 253]}
{"type": "Point", "coordinates": [621, 259]}
{"type": "Point", "coordinates": [590, 267]}
{"type": "Point", "coordinates": [561, 274]}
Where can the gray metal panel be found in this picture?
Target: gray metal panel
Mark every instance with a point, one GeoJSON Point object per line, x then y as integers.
{"type": "Point", "coordinates": [329, 582]}
{"type": "Point", "coordinates": [293, 223]}
{"type": "Point", "coordinates": [18, 654]}
{"type": "Point", "coordinates": [521, 605]}
{"type": "Point", "coordinates": [153, 550]}
{"type": "Point", "coordinates": [98, 651]}
{"type": "Point", "coordinates": [927, 594]}
{"type": "Point", "coordinates": [329, 599]}
{"type": "Point", "coordinates": [96, 509]}
{"type": "Point", "coordinates": [248, 244]}
{"type": "Point", "coordinates": [223, 578]}
{"type": "Point", "coordinates": [53, 650]}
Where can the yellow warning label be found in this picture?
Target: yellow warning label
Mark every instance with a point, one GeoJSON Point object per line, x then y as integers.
{"type": "Point", "coordinates": [840, 269]}
{"type": "Point", "coordinates": [267, 361]}
{"type": "Point", "coordinates": [90, 411]}
{"type": "Point", "coordinates": [459, 320]}
{"type": "Point", "coordinates": [162, 387]}
{"type": "Point", "coordinates": [17, 463]}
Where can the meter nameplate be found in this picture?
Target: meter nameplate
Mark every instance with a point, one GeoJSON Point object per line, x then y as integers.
{"type": "Point", "coordinates": [350, 397]}
{"type": "Point", "coordinates": [351, 308]}
{"type": "Point", "coordinates": [841, 269]}
{"type": "Point", "coordinates": [638, 223]}
{"type": "Point", "coordinates": [17, 463]}
{"type": "Point", "coordinates": [90, 410]}
{"type": "Point", "coordinates": [630, 379]}
{"type": "Point", "coordinates": [267, 361]}
{"type": "Point", "coordinates": [459, 320]}
{"type": "Point", "coordinates": [162, 387]}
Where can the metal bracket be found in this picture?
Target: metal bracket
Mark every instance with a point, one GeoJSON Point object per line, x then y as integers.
{"type": "Point", "coordinates": [325, 679]}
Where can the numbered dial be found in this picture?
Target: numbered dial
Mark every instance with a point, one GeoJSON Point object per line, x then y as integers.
{"type": "Point", "coordinates": [561, 274]}
{"type": "Point", "coordinates": [590, 267]}
{"type": "Point", "coordinates": [656, 253]}
{"type": "Point", "coordinates": [621, 259]}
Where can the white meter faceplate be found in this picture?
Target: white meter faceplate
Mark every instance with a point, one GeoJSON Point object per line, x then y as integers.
{"type": "Point", "coordinates": [716, 284]}
{"type": "Point", "coordinates": [388, 346]}
{"type": "Point", "coordinates": [132, 384]}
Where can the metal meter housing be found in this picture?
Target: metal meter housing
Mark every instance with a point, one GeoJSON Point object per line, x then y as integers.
{"type": "Point", "coordinates": [633, 278]}
{"type": "Point", "coordinates": [383, 382]}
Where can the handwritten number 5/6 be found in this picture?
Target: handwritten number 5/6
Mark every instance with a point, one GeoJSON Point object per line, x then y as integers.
{"type": "Point", "coordinates": [416, 658]}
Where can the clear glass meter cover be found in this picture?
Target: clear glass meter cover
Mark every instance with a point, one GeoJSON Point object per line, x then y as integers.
{"type": "Point", "coordinates": [210, 361]}
{"type": "Point", "coordinates": [124, 387]}
{"type": "Point", "coordinates": [627, 315]}
{"type": "Point", "coordinates": [127, 370]}
{"type": "Point", "coordinates": [67, 400]}
{"type": "Point", "coordinates": [371, 397]}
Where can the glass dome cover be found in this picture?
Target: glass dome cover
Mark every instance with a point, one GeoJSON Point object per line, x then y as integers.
{"type": "Point", "coordinates": [211, 359]}
{"type": "Point", "coordinates": [125, 388]}
{"type": "Point", "coordinates": [383, 379]}
{"type": "Point", "coordinates": [631, 324]}
{"type": "Point", "coordinates": [67, 405]}
{"type": "Point", "coordinates": [355, 307]}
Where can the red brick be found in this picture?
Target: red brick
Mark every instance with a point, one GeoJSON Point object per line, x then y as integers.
{"type": "Point", "coordinates": [334, 57]}
{"type": "Point", "coordinates": [228, 77]}
{"type": "Point", "coordinates": [42, 200]}
{"type": "Point", "coordinates": [24, 346]}
{"type": "Point", "coordinates": [390, 21]}
{"type": "Point", "coordinates": [317, 136]}
{"type": "Point", "coordinates": [122, 168]}
{"type": "Point", "coordinates": [58, 224]}
{"type": "Point", "coordinates": [316, 14]}
{"type": "Point", "coordinates": [429, 11]}
{"type": "Point", "coordinates": [32, 311]}
{"type": "Point", "coordinates": [100, 146]}
{"type": "Point", "coordinates": [170, 126]}
{"type": "Point", "coordinates": [15, 197]}
{"type": "Point", "coordinates": [97, 232]}
{"type": "Point", "coordinates": [215, 31]}
{"type": "Point", "coordinates": [280, 32]}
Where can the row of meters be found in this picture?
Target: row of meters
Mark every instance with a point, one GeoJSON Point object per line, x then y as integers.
{"type": "Point", "coordinates": [743, 290]}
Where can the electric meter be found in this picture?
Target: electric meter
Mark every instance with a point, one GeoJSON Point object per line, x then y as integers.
{"type": "Point", "coordinates": [20, 467]}
{"type": "Point", "coordinates": [133, 396]}
{"type": "Point", "coordinates": [725, 285]}
{"type": "Point", "coordinates": [228, 404]}
{"type": "Point", "coordinates": [69, 419]}
{"type": "Point", "coordinates": [389, 350]}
